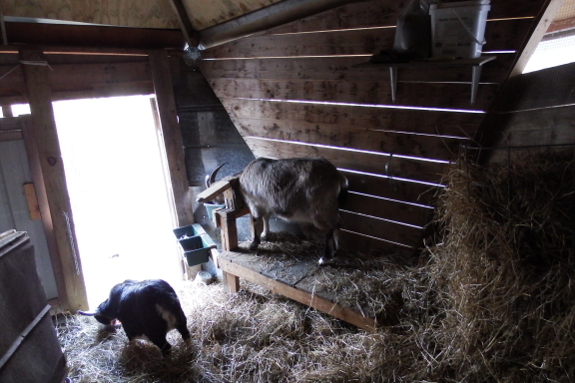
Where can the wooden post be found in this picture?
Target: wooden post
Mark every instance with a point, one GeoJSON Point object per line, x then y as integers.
{"type": "Point", "coordinates": [173, 144]}
{"type": "Point", "coordinates": [231, 282]}
{"type": "Point", "coordinates": [51, 168]}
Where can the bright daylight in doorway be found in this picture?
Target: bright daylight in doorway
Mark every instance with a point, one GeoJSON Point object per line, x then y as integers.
{"type": "Point", "coordinates": [121, 206]}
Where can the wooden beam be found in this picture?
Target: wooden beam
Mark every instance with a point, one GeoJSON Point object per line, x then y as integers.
{"type": "Point", "coordinates": [51, 169]}
{"type": "Point", "coordinates": [32, 201]}
{"type": "Point", "coordinates": [41, 194]}
{"type": "Point", "coordinates": [93, 35]}
{"type": "Point", "coordinates": [166, 104]}
{"type": "Point", "coordinates": [213, 191]}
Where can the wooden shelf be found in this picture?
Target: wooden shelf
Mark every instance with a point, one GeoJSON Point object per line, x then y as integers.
{"type": "Point", "coordinates": [475, 64]}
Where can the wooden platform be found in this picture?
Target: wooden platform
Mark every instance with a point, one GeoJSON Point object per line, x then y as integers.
{"type": "Point", "coordinates": [297, 279]}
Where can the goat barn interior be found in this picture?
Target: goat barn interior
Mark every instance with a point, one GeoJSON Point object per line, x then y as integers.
{"type": "Point", "coordinates": [457, 237]}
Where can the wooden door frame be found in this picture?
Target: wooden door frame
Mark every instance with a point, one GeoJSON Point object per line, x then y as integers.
{"type": "Point", "coordinates": [47, 168]}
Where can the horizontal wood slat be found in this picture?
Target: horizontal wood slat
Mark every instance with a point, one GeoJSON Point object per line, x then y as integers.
{"type": "Point", "coordinates": [374, 227]}
{"type": "Point", "coordinates": [341, 69]}
{"type": "Point", "coordinates": [551, 87]}
{"type": "Point", "coordinates": [352, 42]}
{"type": "Point", "coordinates": [390, 210]}
{"type": "Point", "coordinates": [350, 136]}
{"type": "Point", "coordinates": [377, 247]}
{"type": "Point", "coordinates": [375, 13]}
{"type": "Point", "coordinates": [385, 119]}
{"type": "Point", "coordinates": [372, 163]}
{"type": "Point", "coordinates": [454, 96]}
{"type": "Point", "coordinates": [392, 188]}
{"type": "Point", "coordinates": [551, 126]}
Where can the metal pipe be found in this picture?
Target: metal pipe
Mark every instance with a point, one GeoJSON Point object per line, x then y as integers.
{"type": "Point", "coordinates": [269, 17]}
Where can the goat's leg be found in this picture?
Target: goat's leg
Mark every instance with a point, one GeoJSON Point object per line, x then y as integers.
{"type": "Point", "coordinates": [266, 227]}
{"type": "Point", "coordinates": [329, 248]}
{"type": "Point", "coordinates": [256, 231]}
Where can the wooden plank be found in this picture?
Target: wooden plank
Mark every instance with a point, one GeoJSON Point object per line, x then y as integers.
{"type": "Point", "coordinates": [387, 209]}
{"type": "Point", "coordinates": [10, 135]}
{"type": "Point", "coordinates": [375, 13]}
{"type": "Point", "coordinates": [552, 126]}
{"type": "Point", "coordinates": [359, 161]}
{"type": "Point", "coordinates": [348, 136]}
{"type": "Point", "coordinates": [311, 300]}
{"type": "Point", "coordinates": [170, 130]}
{"type": "Point", "coordinates": [386, 119]}
{"type": "Point", "coordinates": [341, 69]}
{"type": "Point", "coordinates": [32, 200]}
{"type": "Point", "coordinates": [438, 95]}
{"type": "Point", "coordinates": [43, 129]}
{"type": "Point", "coordinates": [352, 42]}
{"type": "Point", "coordinates": [92, 35]}
{"type": "Point", "coordinates": [550, 87]}
{"type": "Point", "coordinates": [378, 228]}
{"type": "Point", "coordinates": [370, 245]}
{"type": "Point", "coordinates": [66, 77]}
{"type": "Point", "coordinates": [213, 191]}
{"type": "Point", "coordinates": [390, 188]}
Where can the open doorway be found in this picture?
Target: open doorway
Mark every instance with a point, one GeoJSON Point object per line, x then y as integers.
{"type": "Point", "coordinates": [123, 212]}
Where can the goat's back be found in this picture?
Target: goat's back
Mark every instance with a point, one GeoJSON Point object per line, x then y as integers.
{"type": "Point", "coordinates": [283, 187]}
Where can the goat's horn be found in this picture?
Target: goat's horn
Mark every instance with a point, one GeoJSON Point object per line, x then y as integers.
{"type": "Point", "coordinates": [210, 180]}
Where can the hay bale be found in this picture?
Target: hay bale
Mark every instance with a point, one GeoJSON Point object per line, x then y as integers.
{"type": "Point", "coordinates": [506, 267]}
{"type": "Point", "coordinates": [492, 302]}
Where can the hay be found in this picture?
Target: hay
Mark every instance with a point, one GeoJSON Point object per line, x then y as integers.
{"type": "Point", "coordinates": [492, 302]}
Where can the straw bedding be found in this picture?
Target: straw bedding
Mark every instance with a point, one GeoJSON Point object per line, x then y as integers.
{"type": "Point", "coordinates": [490, 300]}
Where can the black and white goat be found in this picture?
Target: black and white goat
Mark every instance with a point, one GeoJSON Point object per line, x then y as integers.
{"type": "Point", "coordinates": [147, 309]}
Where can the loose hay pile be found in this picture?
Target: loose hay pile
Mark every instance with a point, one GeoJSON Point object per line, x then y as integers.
{"type": "Point", "coordinates": [494, 302]}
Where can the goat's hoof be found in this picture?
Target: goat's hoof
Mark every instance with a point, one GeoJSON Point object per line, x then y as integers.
{"type": "Point", "coordinates": [254, 246]}
{"type": "Point", "coordinates": [325, 261]}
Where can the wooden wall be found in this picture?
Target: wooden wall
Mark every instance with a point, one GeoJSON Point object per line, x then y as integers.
{"type": "Point", "coordinates": [541, 111]}
{"type": "Point", "coordinates": [293, 91]}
